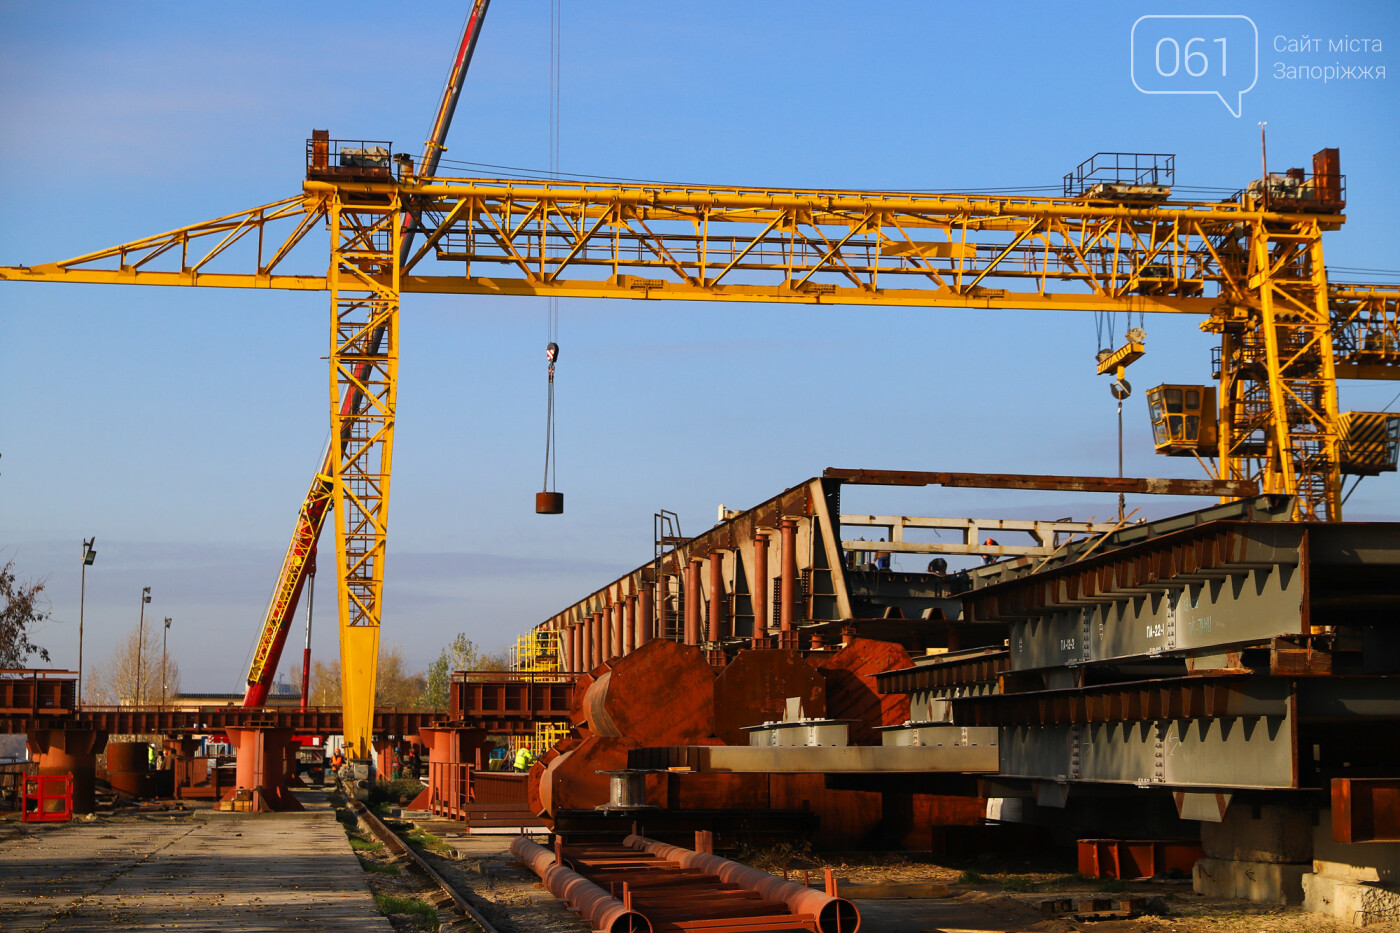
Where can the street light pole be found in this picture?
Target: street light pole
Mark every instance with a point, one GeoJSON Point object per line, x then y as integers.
{"type": "Point", "coordinates": [89, 555]}
{"type": "Point", "coordinates": [163, 640]}
{"type": "Point", "coordinates": [141, 641]}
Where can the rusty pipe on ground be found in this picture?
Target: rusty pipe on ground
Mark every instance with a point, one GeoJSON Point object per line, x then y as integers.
{"type": "Point", "coordinates": [833, 914]}
{"type": "Point", "coordinates": [603, 911]}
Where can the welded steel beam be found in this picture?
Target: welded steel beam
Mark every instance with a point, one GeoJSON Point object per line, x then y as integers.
{"type": "Point", "coordinates": [818, 759]}
{"type": "Point", "coordinates": [1245, 752]}
{"type": "Point", "coordinates": [128, 720]}
{"type": "Point", "coordinates": [1206, 587]}
{"type": "Point", "coordinates": [1232, 488]}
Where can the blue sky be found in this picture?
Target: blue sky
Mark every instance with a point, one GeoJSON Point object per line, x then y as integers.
{"type": "Point", "coordinates": [181, 426]}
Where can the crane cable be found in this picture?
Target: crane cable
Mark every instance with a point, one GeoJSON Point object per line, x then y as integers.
{"type": "Point", "coordinates": [552, 313]}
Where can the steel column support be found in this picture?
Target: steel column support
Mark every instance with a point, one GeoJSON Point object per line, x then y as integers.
{"type": "Point", "coordinates": [787, 614]}
{"type": "Point", "coordinates": [692, 601]}
{"type": "Point", "coordinates": [599, 632]}
{"type": "Point", "coordinates": [759, 589]}
{"type": "Point", "coordinates": [716, 597]}
{"type": "Point", "coordinates": [615, 624]}
{"type": "Point", "coordinates": [629, 624]}
{"type": "Point", "coordinates": [645, 614]}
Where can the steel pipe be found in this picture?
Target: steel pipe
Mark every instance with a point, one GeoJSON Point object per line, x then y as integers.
{"type": "Point", "coordinates": [629, 624]}
{"type": "Point", "coordinates": [716, 597]}
{"type": "Point", "coordinates": [833, 914]}
{"type": "Point", "coordinates": [787, 606]}
{"type": "Point", "coordinates": [600, 638]}
{"type": "Point", "coordinates": [645, 614]}
{"type": "Point", "coordinates": [617, 637]}
{"type": "Point", "coordinates": [759, 590]}
{"type": "Point", "coordinates": [692, 601]}
{"type": "Point", "coordinates": [603, 911]}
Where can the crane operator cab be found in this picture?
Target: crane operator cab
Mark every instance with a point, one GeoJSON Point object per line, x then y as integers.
{"type": "Point", "coordinates": [1184, 423]}
{"type": "Point", "coordinates": [1183, 420]}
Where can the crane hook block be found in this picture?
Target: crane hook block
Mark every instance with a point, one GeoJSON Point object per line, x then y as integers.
{"type": "Point", "coordinates": [551, 352]}
{"type": "Point", "coordinates": [549, 503]}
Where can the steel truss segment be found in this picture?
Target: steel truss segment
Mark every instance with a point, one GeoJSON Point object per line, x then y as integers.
{"type": "Point", "coordinates": [1365, 330]}
{"type": "Point", "coordinates": [132, 262]}
{"type": "Point", "coordinates": [364, 283]}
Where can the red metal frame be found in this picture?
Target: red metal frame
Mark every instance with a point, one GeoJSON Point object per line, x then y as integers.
{"type": "Point", "coordinates": [42, 790]}
{"type": "Point", "coordinates": [1136, 858]}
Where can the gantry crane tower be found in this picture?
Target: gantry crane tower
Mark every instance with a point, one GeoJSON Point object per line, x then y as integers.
{"type": "Point", "coordinates": [1251, 267]}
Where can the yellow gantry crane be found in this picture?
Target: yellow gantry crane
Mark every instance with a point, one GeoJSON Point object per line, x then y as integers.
{"type": "Point", "coordinates": [1251, 267]}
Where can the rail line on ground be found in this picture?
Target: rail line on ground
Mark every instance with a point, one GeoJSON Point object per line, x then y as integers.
{"type": "Point", "coordinates": [396, 845]}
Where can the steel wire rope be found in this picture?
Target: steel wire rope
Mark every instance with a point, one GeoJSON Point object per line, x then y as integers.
{"type": "Point", "coordinates": [551, 445]}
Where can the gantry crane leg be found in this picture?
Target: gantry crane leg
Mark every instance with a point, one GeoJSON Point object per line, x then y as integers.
{"type": "Point", "coordinates": [364, 286]}
{"type": "Point", "coordinates": [1290, 282]}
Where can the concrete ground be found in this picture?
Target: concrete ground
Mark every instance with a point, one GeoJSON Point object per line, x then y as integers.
{"type": "Point", "coordinates": [197, 870]}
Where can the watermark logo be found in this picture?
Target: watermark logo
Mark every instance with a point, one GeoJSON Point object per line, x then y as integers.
{"type": "Point", "coordinates": [1209, 54]}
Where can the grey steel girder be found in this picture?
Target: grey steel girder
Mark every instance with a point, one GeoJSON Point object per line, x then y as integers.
{"type": "Point", "coordinates": [1245, 607]}
{"type": "Point", "coordinates": [1228, 752]}
{"type": "Point", "coordinates": [820, 759]}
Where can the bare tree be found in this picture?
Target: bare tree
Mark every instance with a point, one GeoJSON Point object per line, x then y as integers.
{"type": "Point", "coordinates": [325, 683]}
{"type": "Point", "coordinates": [113, 681]}
{"type": "Point", "coordinates": [461, 655]}
{"type": "Point", "coordinates": [23, 607]}
{"type": "Point", "coordinates": [396, 685]}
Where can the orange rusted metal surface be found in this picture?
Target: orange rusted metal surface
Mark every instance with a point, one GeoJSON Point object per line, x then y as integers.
{"type": "Point", "coordinates": [69, 751]}
{"type": "Point", "coordinates": [36, 692]}
{"type": "Point", "coordinates": [754, 689]}
{"type": "Point", "coordinates": [661, 694]}
{"type": "Point", "coordinates": [1129, 859]}
{"type": "Point", "coordinates": [1365, 810]}
{"type": "Point", "coordinates": [851, 690]}
{"type": "Point", "coordinates": [572, 782]}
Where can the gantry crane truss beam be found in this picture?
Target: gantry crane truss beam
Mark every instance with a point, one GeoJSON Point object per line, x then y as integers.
{"type": "Point", "coordinates": [1256, 276]}
{"type": "Point", "coordinates": [747, 244]}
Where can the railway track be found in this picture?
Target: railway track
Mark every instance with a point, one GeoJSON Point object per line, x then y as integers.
{"type": "Point", "coordinates": [471, 917]}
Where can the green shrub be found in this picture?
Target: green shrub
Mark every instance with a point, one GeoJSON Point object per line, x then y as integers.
{"type": "Point", "coordinates": [392, 791]}
{"type": "Point", "coordinates": [422, 911]}
{"type": "Point", "coordinates": [969, 876]}
{"type": "Point", "coordinates": [377, 868]}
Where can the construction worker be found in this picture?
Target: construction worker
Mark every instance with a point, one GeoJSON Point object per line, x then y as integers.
{"type": "Point", "coordinates": [990, 558]}
{"type": "Point", "coordinates": [524, 758]}
{"type": "Point", "coordinates": [337, 761]}
{"type": "Point", "coordinates": [415, 764]}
